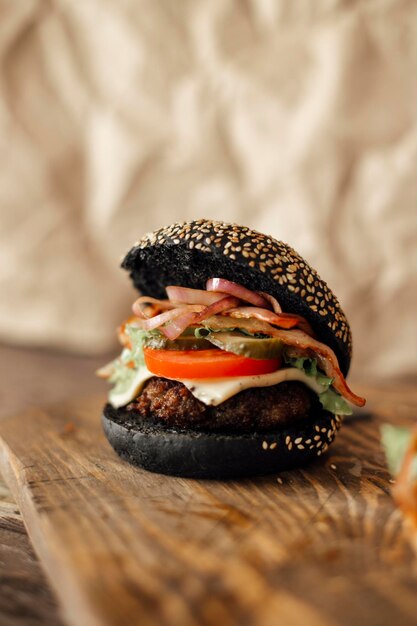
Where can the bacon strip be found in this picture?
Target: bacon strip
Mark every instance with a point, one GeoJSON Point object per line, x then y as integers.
{"type": "Point", "coordinates": [284, 320]}
{"type": "Point", "coordinates": [325, 356]}
{"type": "Point", "coordinates": [302, 345]}
{"type": "Point", "coordinates": [145, 304]}
{"type": "Point", "coordinates": [247, 312]}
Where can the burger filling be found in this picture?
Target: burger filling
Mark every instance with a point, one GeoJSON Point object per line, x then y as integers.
{"type": "Point", "coordinates": [202, 356]}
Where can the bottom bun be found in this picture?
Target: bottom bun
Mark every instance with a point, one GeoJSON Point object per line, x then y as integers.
{"type": "Point", "coordinates": [199, 454]}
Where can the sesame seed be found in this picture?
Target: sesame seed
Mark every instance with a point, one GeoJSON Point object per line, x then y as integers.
{"type": "Point", "coordinates": [287, 440]}
{"type": "Point", "coordinates": [273, 445]}
{"type": "Point", "coordinates": [263, 254]}
{"type": "Point", "coordinates": [298, 440]}
{"type": "Point", "coordinates": [265, 445]}
{"type": "Point", "coordinates": [290, 446]}
{"type": "Point", "coordinates": [280, 481]}
{"type": "Point", "coordinates": [333, 466]}
{"type": "Point", "coordinates": [300, 447]}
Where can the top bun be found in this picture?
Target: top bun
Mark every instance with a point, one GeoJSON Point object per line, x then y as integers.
{"type": "Point", "coordinates": [189, 253]}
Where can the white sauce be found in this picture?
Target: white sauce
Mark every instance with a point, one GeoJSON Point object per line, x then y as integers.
{"type": "Point", "coordinates": [127, 395]}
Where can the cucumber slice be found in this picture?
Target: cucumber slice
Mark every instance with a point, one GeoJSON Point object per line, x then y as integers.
{"type": "Point", "coordinates": [252, 347]}
{"type": "Point", "coordinates": [188, 342]}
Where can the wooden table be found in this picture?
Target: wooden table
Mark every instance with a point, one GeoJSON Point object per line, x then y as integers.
{"type": "Point", "coordinates": [364, 559]}
{"type": "Point", "coordinates": [32, 378]}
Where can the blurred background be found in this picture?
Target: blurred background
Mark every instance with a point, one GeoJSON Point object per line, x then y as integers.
{"type": "Point", "coordinates": [295, 117]}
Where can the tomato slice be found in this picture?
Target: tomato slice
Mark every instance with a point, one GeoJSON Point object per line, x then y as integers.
{"type": "Point", "coordinates": [214, 363]}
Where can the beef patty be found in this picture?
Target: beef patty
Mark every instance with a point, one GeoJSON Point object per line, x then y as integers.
{"type": "Point", "coordinates": [260, 409]}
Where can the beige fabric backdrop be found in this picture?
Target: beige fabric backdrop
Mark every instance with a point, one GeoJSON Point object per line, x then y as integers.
{"type": "Point", "coordinates": [295, 117]}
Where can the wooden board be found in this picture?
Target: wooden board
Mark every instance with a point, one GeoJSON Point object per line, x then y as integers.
{"type": "Point", "coordinates": [321, 546]}
{"type": "Point", "coordinates": [21, 578]}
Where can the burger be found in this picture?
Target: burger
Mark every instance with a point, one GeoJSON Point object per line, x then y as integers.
{"type": "Point", "coordinates": [234, 360]}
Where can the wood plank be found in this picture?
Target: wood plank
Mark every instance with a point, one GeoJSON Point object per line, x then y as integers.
{"type": "Point", "coordinates": [29, 377]}
{"type": "Point", "coordinates": [324, 546]}
{"type": "Point", "coordinates": [21, 578]}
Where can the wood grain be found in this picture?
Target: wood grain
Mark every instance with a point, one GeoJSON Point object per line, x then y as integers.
{"type": "Point", "coordinates": [323, 546]}
{"type": "Point", "coordinates": [30, 377]}
{"type": "Point", "coordinates": [21, 578]}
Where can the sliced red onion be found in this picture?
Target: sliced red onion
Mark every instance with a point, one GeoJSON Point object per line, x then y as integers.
{"type": "Point", "coordinates": [158, 320]}
{"type": "Point", "coordinates": [184, 295]}
{"type": "Point", "coordinates": [180, 323]}
{"type": "Point", "coordinates": [177, 326]}
{"type": "Point", "coordinates": [226, 286]}
{"type": "Point", "coordinates": [191, 306]}
{"type": "Point", "coordinates": [218, 307]}
{"type": "Point", "coordinates": [276, 307]}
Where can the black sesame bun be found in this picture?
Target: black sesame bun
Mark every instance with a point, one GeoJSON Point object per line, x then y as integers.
{"type": "Point", "coordinates": [188, 255]}
{"type": "Point", "coordinates": [202, 454]}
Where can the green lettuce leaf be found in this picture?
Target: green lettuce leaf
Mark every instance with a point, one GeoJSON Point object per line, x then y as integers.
{"type": "Point", "coordinates": [309, 366]}
{"type": "Point", "coordinates": [330, 399]}
{"type": "Point", "coordinates": [333, 402]}
{"type": "Point", "coordinates": [123, 373]}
